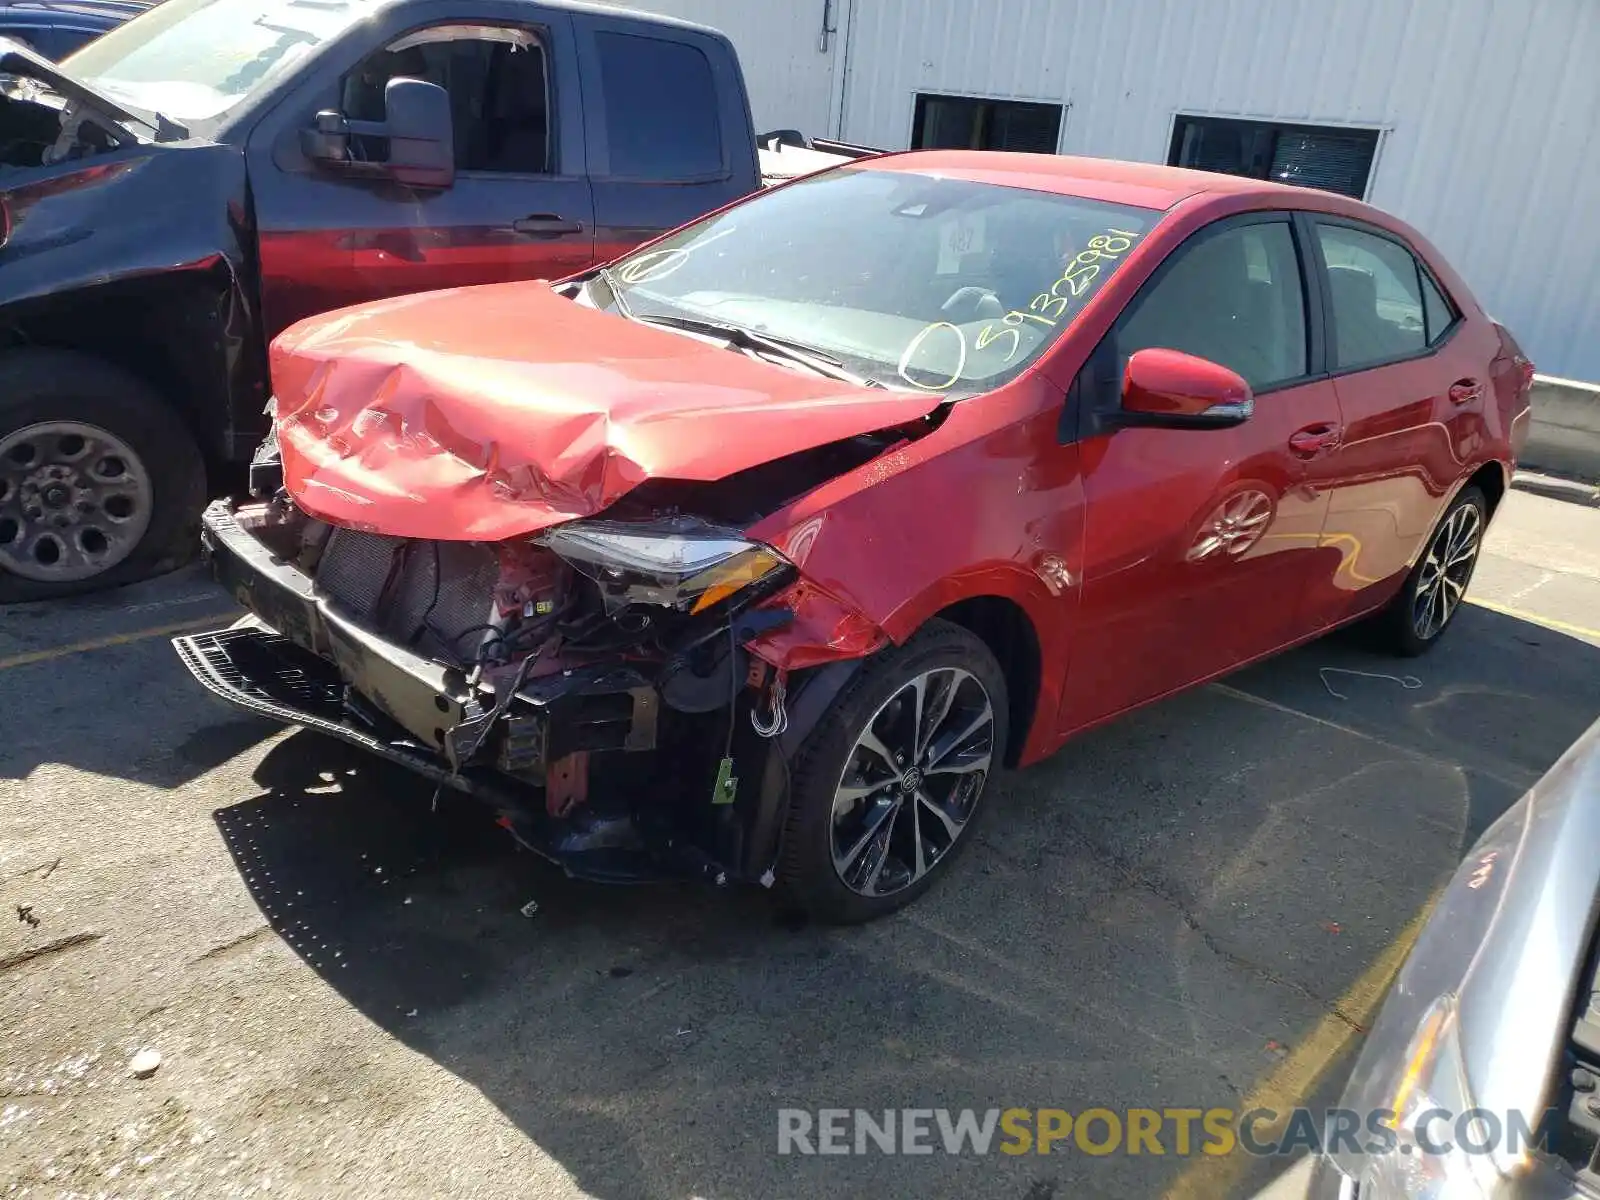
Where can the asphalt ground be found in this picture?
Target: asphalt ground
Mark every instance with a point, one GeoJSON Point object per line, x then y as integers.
{"type": "Point", "coordinates": [1199, 904]}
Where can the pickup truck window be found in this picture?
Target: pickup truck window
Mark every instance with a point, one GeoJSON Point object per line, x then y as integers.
{"type": "Point", "coordinates": [194, 59]}
{"type": "Point", "coordinates": [661, 109]}
{"type": "Point", "coordinates": [499, 94]}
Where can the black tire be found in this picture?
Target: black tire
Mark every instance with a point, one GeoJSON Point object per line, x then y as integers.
{"type": "Point", "coordinates": [807, 881]}
{"type": "Point", "coordinates": [39, 386]}
{"type": "Point", "coordinates": [1396, 625]}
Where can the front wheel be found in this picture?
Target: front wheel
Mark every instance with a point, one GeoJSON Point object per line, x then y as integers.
{"type": "Point", "coordinates": [1417, 617]}
{"type": "Point", "coordinates": [889, 784]}
{"type": "Point", "coordinates": [100, 481]}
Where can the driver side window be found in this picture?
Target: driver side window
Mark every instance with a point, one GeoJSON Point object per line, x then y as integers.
{"type": "Point", "coordinates": [499, 94]}
{"type": "Point", "coordinates": [1232, 296]}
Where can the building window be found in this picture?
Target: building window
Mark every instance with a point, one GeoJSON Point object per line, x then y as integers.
{"type": "Point", "coordinates": [1333, 158]}
{"type": "Point", "coordinates": [967, 123]}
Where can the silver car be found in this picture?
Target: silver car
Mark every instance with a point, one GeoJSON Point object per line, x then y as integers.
{"type": "Point", "coordinates": [1492, 1029]}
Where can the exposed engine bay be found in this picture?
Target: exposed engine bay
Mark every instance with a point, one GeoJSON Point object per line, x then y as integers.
{"type": "Point", "coordinates": [47, 118]}
{"type": "Point", "coordinates": [591, 682]}
{"type": "Point", "coordinates": [40, 129]}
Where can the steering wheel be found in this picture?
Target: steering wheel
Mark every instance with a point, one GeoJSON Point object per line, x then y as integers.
{"type": "Point", "coordinates": [971, 303]}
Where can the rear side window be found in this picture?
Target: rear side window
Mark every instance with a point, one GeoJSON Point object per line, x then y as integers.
{"type": "Point", "coordinates": [1233, 297]}
{"type": "Point", "coordinates": [662, 116]}
{"type": "Point", "coordinates": [1438, 311]}
{"type": "Point", "coordinates": [1376, 287]}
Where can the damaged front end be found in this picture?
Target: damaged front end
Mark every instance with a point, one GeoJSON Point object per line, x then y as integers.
{"type": "Point", "coordinates": [49, 117]}
{"type": "Point", "coordinates": [592, 682]}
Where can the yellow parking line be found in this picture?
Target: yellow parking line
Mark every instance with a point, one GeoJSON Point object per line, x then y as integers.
{"type": "Point", "coordinates": [1523, 614]}
{"type": "Point", "coordinates": [116, 639]}
{"type": "Point", "coordinates": [1293, 1080]}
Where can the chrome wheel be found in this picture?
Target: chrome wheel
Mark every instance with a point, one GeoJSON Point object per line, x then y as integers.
{"type": "Point", "coordinates": [1236, 525]}
{"type": "Point", "coordinates": [75, 501]}
{"type": "Point", "coordinates": [912, 781]}
{"type": "Point", "coordinates": [1445, 571]}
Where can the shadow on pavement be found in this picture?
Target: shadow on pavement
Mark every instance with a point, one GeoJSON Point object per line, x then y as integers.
{"type": "Point", "coordinates": [129, 710]}
{"type": "Point", "coordinates": [1154, 917]}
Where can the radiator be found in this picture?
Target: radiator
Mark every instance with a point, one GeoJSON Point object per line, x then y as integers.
{"type": "Point", "coordinates": [424, 595]}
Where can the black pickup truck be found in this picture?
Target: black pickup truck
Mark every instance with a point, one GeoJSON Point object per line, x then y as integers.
{"type": "Point", "coordinates": [176, 193]}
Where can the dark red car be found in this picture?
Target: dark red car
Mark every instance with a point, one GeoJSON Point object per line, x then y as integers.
{"type": "Point", "coordinates": [758, 553]}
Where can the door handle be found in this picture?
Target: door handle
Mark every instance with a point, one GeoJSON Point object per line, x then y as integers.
{"type": "Point", "coordinates": [1465, 391]}
{"type": "Point", "coordinates": [1314, 440]}
{"type": "Point", "coordinates": [546, 225]}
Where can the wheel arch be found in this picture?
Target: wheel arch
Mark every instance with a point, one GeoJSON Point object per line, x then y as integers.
{"type": "Point", "coordinates": [1492, 479]}
{"type": "Point", "coordinates": [183, 333]}
{"type": "Point", "coordinates": [1006, 628]}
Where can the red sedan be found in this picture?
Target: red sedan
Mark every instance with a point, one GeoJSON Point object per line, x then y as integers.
{"type": "Point", "coordinates": [759, 552]}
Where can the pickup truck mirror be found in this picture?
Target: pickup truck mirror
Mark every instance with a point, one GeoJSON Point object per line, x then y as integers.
{"type": "Point", "coordinates": [417, 125]}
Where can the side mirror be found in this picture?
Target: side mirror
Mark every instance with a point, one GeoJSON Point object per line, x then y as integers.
{"type": "Point", "coordinates": [417, 126]}
{"type": "Point", "coordinates": [1172, 390]}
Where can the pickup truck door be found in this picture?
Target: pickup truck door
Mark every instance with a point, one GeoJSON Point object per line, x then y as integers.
{"type": "Point", "coordinates": [666, 124]}
{"type": "Point", "coordinates": [520, 206]}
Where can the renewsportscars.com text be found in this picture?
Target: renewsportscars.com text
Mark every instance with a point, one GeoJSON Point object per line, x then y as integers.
{"type": "Point", "coordinates": [1180, 1132]}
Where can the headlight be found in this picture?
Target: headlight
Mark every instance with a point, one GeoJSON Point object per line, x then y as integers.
{"type": "Point", "coordinates": [677, 562]}
{"type": "Point", "coordinates": [1430, 1100]}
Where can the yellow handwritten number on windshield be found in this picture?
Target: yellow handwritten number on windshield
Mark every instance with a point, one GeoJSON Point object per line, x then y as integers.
{"type": "Point", "coordinates": [915, 344]}
{"type": "Point", "coordinates": [1074, 281]}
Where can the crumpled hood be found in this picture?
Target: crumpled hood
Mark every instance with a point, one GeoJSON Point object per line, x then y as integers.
{"type": "Point", "coordinates": [486, 413]}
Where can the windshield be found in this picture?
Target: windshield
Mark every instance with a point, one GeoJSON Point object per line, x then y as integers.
{"type": "Point", "coordinates": [910, 280]}
{"type": "Point", "coordinates": [192, 60]}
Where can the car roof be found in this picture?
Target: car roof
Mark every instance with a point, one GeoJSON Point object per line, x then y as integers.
{"type": "Point", "coordinates": [1144, 185]}
{"type": "Point", "coordinates": [614, 9]}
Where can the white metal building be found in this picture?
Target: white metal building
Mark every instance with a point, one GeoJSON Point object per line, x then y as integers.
{"type": "Point", "coordinates": [1475, 120]}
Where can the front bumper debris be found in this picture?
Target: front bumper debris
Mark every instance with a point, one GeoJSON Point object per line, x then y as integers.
{"type": "Point", "coordinates": [301, 658]}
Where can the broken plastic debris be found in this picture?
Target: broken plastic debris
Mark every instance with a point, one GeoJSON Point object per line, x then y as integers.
{"type": "Point", "coordinates": [530, 909]}
{"type": "Point", "coordinates": [144, 1064]}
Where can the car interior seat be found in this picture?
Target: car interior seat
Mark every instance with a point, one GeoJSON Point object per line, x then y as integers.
{"type": "Point", "coordinates": [517, 135]}
{"type": "Point", "coordinates": [1361, 335]}
{"type": "Point", "coordinates": [1208, 306]}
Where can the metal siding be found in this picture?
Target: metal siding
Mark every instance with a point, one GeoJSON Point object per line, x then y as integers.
{"type": "Point", "coordinates": [1488, 107]}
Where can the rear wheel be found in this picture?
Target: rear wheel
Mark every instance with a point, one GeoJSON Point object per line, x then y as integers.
{"type": "Point", "coordinates": [1417, 617]}
{"type": "Point", "coordinates": [100, 482]}
{"type": "Point", "coordinates": [889, 784]}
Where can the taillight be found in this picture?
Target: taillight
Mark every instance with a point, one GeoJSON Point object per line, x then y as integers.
{"type": "Point", "coordinates": [5, 221]}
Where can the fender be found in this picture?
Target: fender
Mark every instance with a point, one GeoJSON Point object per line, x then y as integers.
{"type": "Point", "coordinates": [903, 525]}
{"type": "Point", "coordinates": [144, 257]}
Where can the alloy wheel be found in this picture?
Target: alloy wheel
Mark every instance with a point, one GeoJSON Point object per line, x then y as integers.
{"type": "Point", "coordinates": [912, 781]}
{"type": "Point", "coordinates": [1446, 571]}
{"type": "Point", "coordinates": [75, 500]}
